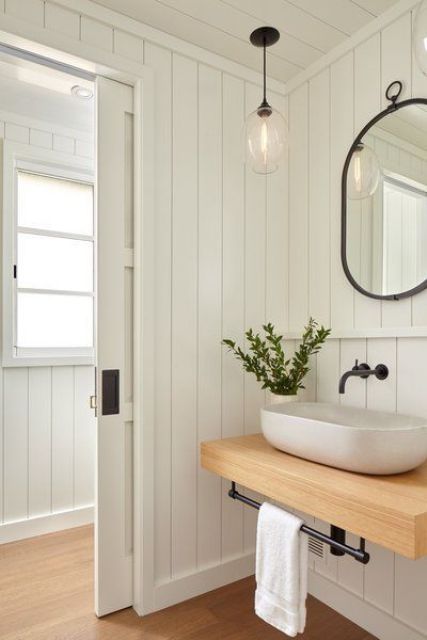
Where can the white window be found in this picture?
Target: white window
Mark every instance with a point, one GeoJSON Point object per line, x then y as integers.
{"type": "Point", "coordinates": [49, 257]}
{"type": "Point", "coordinates": [404, 233]}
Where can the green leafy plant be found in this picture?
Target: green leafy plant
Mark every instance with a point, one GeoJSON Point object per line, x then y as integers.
{"type": "Point", "coordinates": [266, 358]}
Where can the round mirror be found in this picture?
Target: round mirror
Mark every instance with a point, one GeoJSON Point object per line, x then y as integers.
{"type": "Point", "coordinates": [384, 202]}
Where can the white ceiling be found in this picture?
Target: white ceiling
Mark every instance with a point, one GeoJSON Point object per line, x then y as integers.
{"type": "Point", "coordinates": [35, 91]}
{"type": "Point", "coordinates": [309, 28]}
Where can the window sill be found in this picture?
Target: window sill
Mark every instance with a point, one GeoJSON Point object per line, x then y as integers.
{"type": "Point", "coordinates": [48, 361]}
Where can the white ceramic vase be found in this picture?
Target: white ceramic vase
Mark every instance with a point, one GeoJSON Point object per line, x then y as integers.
{"type": "Point", "coordinates": [276, 399]}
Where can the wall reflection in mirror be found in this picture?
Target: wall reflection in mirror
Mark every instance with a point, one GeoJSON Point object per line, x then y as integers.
{"type": "Point", "coordinates": [385, 208]}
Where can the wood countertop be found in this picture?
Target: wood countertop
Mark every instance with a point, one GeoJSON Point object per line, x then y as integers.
{"type": "Point", "coordinates": [388, 510]}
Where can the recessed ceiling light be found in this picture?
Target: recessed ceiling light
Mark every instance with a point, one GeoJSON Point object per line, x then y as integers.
{"type": "Point", "coordinates": [82, 92]}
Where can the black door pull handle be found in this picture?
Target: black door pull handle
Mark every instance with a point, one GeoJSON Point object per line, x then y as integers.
{"type": "Point", "coordinates": [110, 392]}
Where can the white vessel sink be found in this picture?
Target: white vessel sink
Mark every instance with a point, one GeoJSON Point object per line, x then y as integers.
{"type": "Point", "coordinates": [346, 437]}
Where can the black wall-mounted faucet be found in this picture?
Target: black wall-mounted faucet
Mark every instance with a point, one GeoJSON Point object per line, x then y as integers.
{"type": "Point", "coordinates": [363, 371]}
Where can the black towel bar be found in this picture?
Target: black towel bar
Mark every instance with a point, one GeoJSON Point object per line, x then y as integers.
{"type": "Point", "coordinates": [337, 544]}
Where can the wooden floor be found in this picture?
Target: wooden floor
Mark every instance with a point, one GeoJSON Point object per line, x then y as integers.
{"type": "Point", "coordinates": [46, 593]}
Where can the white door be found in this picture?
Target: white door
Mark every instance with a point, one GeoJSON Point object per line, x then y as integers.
{"type": "Point", "coordinates": [113, 519]}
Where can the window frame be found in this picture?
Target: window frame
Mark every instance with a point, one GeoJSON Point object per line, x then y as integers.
{"type": "Point", "coordinates": [21, 157]}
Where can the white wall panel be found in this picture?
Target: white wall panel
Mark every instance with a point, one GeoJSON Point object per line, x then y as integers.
{"type": "Point", "coordinates": [84, 436]}
{"type": "Point", "coordinates": [96, 33]}
{"type": "Point", "coordinates": [62, 20]}
{"type": "Point", "coordinates": [48, 441]}
{"type": "Point", "coordinates": [41, 138]}
{"type": "Point", "coordinates": [209, 306]}
{"type": "Point", "coordinates": [16, 132]}
{"type": "Point", "coordinates": [328, 372]}
{"type": "Point", "coordinates": [319, 262]}
{"type": "Point", "coordinates": [221, 240]}
{"type": "Point", "coordinates": [410, 590]}
{"type": "Point", "coordinates": [298, 204]}
{"type": "Point", "coordinates": [39, 441]}
{"type": "Point", "coordinates": [160, 60]}
{"type": "Point", "coordinates": [380, 578]}
{"type": "Point", "coordinates": [29, 10]}
{"type": "Point", "coordinates": [184, 316]}
{"type": "Point", "coordinates": [341, 100]}
{"type": "Point", "coordinates": [396, 56]}
{"type": "Point", "coordinates": [64, 144]}
{"type": "Point", "coordinates": [233, 291]}
{"type": "Point", "coordinates": [382, 394]}
{"type": "Point", "coordinates": [128, 46]}
{"type": "Point", "coordinates": [62, 438]}
{"type": "Point", "coordinates": [15, 443]}
{"type": "Point", "coordinates": [277, 265]}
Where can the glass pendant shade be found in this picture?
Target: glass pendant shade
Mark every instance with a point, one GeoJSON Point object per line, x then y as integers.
{"type": "Point", "coordinates": [363, 173]}
{"type": "Point", "coordinates": [419, 36]}
{"type": "Point", "coordinates": [265, 135]}
{"type": "Point", "coordinates": [265, 129]}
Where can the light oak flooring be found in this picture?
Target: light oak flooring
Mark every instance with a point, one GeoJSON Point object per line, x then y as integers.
{"type": "Point", "coordinates": [46, 593]}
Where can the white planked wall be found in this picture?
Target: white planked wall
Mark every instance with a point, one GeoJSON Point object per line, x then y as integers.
{"type": "Point", "coordinates": [220, 264]}
{"type": "Point", "coordinates": [325, 114]}
{"type": "Point", "coordinates": [47, 429]}
{"type": "Point", "coordinates": [48, 441]}
{"type": "Point", "coordinates": [390, 583]}
{"type": "Point", "coordinates": [326, 111]}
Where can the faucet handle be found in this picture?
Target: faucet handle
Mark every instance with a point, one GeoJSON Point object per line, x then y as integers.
{"type": "Point", "coordinates": [362, 367]}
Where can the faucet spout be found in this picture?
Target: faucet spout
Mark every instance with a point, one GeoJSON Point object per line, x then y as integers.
{"type": "Point", "coordinates": [363, 371]}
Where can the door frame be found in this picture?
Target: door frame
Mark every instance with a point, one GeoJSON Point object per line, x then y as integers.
{"type": "Point", "coordinates": [87, 59]}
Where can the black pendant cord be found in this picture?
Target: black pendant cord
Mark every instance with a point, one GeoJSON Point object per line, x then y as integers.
{"type": "Point", "coordinates": [264, 102]}
{"type": "Point", "coordinates": [337, 542]}
{"type": "Point", "coordinates": [264, 37]}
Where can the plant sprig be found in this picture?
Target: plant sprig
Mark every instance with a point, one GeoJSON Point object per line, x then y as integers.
{"type": "Point", "coordinates": [267, 361]}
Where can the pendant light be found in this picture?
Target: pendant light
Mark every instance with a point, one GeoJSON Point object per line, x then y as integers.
{"type": "Point", "coordinates": [419, 36]}
{"type": "Point", "coordinates": [265, 128]}
{"type": "Point", "coordinates": [363, 174]}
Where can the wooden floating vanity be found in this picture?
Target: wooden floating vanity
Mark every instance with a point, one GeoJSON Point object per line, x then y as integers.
{"type": "Point", "coordinates": [388, 510]}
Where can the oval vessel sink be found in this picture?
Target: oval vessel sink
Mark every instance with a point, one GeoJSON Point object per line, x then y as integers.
{"type": "Point", "coordinates": [348, 438]}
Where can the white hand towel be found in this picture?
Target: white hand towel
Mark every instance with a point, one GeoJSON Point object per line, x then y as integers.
{"type": "Point", "coordinates": [281, 570]}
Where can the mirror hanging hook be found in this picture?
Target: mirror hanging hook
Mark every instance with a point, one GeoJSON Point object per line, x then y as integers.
{"type": "Point", "coordinates": [392, 97]}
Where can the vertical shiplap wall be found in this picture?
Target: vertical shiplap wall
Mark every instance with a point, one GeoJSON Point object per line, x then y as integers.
{"type": "Point", "coordinates": [221, 267]}
{"type": "Point", "coordinates": [47, 429]}
{"type": "Point", "coordinates": [325, 113]}
{"type": "Point", "coordinates": [390, 583]}
{"type": "Point", "coordinates": [48, 441]}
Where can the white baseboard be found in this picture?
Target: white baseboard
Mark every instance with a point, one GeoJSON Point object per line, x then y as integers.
{"type": "Point", "coordinates": [377, 622]}
{"type": "Point", "coordinates": [202, 581]}
{"type": "Point", "coordinates": [13, 531]}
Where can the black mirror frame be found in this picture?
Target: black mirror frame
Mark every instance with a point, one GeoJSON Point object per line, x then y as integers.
{"type": "Point", "coordinates": [394, 106]}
